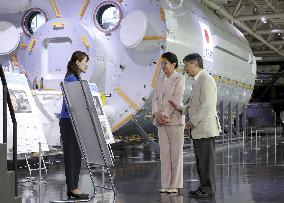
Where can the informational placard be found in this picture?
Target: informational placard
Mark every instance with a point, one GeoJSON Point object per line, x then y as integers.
{"type": "Point", "coordinates": [49, 104]}
{"type": "Point", "coordinates": [86, 122]}
{"type": "Point", "coordinates": [29, 127]}
{"type": "Point", "coordinates": [102, 116]}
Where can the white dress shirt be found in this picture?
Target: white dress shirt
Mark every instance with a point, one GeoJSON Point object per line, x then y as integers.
{"type": "Point", "coordinates": [197, 76]}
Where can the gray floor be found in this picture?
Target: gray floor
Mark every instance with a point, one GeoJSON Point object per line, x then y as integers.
{"type": "Point", "coordinates": [244, 174]}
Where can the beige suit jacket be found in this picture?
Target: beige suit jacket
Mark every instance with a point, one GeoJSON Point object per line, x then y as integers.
{"type": "Point", "coordinates": [173, 90]}
{"type": "Point", "coordinates": [202, 108]}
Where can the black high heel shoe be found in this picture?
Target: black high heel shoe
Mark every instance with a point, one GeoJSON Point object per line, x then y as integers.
{"type": "Point", "coordinates": [79, 196]}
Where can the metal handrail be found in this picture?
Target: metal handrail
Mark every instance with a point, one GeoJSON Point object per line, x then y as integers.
{"type": "Point", "coordinates": [7, 100]}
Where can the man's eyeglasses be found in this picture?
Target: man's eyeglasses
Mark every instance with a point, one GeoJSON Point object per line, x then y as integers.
{"type": "Point", "coordinates": [185, 64]}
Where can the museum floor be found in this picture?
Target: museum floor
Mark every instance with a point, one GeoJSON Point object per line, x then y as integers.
{"type": "Point", "coordinates": [246, 175]}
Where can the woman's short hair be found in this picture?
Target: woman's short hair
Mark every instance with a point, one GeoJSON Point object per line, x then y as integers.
{"type": "Point", "coordinates": [171, 57]}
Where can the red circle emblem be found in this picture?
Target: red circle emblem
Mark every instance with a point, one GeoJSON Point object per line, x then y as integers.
{"type": "Point", "coordinates": [207, 36]}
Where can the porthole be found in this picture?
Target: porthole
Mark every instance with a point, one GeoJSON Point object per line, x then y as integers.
{"type": "Point", "coordinates": [175, 3]}
{"type": "Point", "coordinates": [32, 20]}
{"type": "Point", "coordinates": [108, 16]}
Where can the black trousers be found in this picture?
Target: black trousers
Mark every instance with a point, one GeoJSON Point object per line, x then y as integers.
{"type": "Point", "coordinates": [72, 154]}
{"type": "Point", "coordinates": [204, 150]}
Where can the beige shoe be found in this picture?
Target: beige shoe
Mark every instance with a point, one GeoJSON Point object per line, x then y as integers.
{"type": "Point", "coordinates": [163, 190]}
{"type": "Point", "coordinates": [172, 190]}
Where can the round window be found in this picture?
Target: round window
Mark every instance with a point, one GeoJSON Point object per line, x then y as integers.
{"type": "Point", "coordinates": [108, 16]}
{"type": "Point", "coordinates": [32, 20]}
{"type": "Point", "coordinates": [172, 4]}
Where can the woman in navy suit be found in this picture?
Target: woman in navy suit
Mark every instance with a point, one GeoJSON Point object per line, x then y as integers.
{"type": "Point", "coordinates": [72, 155]}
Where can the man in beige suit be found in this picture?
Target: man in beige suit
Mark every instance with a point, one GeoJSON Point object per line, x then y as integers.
{"type": "Point", "coordinates": [203, 123]}
{"type": "Point", "coordinates": [170, 123]}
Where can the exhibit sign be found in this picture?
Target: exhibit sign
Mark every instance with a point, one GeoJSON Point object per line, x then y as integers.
{"type": "Point", "coordinates": [29, 127]}
{"type": "Point", "coordinates": [49, 104]}
{"type": "Point", "coordinates": [86, 123]}
{"type": "Point", "coordinates": [101, 113]}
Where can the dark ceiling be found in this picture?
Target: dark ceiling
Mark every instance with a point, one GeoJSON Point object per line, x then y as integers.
{"type": "Point", "coordinates": [264, 18]}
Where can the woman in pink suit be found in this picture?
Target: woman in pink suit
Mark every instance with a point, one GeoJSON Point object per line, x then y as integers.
{"type": "Point", "coordinates": [170, 123]}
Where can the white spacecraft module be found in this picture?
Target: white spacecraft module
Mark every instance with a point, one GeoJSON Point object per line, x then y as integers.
{"type": "Point", "coordinates": [9, 36]}
{"type": "Point", "coordinates": [125, 39]}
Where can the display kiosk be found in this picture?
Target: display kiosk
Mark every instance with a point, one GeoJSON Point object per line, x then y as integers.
{"type": "Point", "coordinates": [84, 114]}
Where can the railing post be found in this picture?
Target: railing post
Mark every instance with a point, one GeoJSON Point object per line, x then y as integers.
{"type": "Point", "coordinates": [5, 92]}
{"type": "Point", "coordinates": [7, 100]}
{"type": "Point", "coordinates": [39, 161]}
{"type": "Point", "coordinates": [230, 123]}
{"type": "Point", "coordinates": [238, 120]}
{"type": "Point", "coordinates": [222, 120]}
{"type": "Point", "coordinates": [244, 120]}
{"type": "Point", "coordinates": [15, 160]}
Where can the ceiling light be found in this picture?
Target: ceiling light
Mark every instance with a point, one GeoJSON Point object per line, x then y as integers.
{"type": "Point", "coordinates": [275, 31]}
{"type": "Point", "coordinates": [263, 20]}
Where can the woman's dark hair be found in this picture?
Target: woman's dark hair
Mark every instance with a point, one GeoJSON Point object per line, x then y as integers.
{"type": "Point", "coordinates": [72, 67]}
{"type": "Point", "coordinates": [171, 57]}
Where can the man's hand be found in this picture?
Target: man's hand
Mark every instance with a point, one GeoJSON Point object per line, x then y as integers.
{"type": "Point", "coordinates": [189, 125]}
{"type": "Point", "coordinates": [176, 107]}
